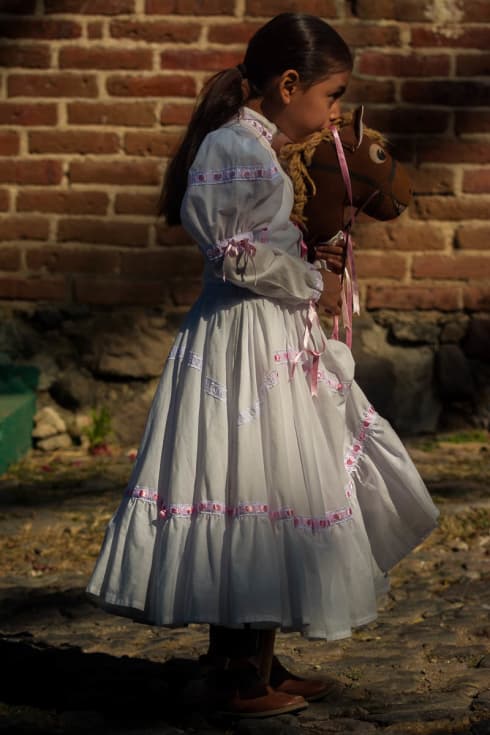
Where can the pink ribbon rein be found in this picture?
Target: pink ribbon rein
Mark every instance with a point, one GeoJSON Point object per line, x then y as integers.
{"type": "Point", "coordinates": [350, 300]}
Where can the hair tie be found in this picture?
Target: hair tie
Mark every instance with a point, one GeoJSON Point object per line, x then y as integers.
{"type": "Point", "coordinates": [243, 70]}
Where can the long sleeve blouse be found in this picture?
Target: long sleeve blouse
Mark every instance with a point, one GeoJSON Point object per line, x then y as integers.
{"type": "Point", "coordinates": [237, 208]}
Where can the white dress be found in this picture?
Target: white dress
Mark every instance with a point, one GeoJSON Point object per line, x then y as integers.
{"type": "Point", "coordinates": [253, 500]}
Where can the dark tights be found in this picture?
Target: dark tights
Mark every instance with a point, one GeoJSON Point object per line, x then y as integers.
{"type": "Point", "coordinates": [233, 642]}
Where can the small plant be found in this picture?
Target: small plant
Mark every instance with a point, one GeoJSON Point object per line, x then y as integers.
{"type": "Point", "coordinates": [99, 431]}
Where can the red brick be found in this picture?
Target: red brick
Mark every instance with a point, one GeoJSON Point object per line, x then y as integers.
{"type": "Point", "coordinates": [379, 266]}
{"type": "Point", "coordinates": [12, 7]}
{"type": "Point", "coordinates": [239, 32]}
{"type": "Point", "coordinates": [477, 181]}
{"type": "Point", "coordinates": [32, 289]}
{"type": "Point", "coordinates": [16, 113]}
{"type": "Point", "coordinates": [155, 86]}
{"type": "Point", "coordinates": [403, 147]}
{"type": "Point", "coordinates": [73, 57]}
{"type": "Point", "coordinates": [9, 259]}
{"type": "Point", "coordinates": [33, 57]}
{"type": "Point", "coordinates": [190, 7]}
{"type": "Point", "coordinates": [444, 298]}
{"type": "Point", "coordinates": [102, 231]}
{"type": "Point", "coordinates": [90, 7]}
{"type": "Point", "coordinates": [473, 237]}
{"type": "Point", "coordinates": [9, 143]}
{"type": "Point", "coordinates": [447, 93]}
{"type": "Point", "coordinates": [4, 200]}
{"type": "Point", "coordinates": [13, 171]}
{"type": "Point", "coordinates": [51, 85]}
{"type": "Point", "coordinates": [404, 236]}
{"type": "Point", "coordinates": [407, 120]}
{"type": "Point", "coordinates": [176, 113]}
{"type": "Point", "coordinates": [195, 59]}
{"type": "Point", "coordinates": [134, 114]}
{"type": "Point", "coordinates": [67, 260]}
{"type": "Point", "coordinates": [62, 202]}
{"type": "Point", "coordinates": [73, 141]}
{"type": "Point", "coordinates": [366, 90]}
{"type": "Point", "coordinates": [457, 267]}
{"type": "Point", "coordinates": [95, 29]}
{"type": "Point", "coordinates": [369, 34]}
{"type": "Point", "coordinates": [324, 8]}
{"type": "Point", "coordinates": [474, 38]}
{"type": "Point", "coordinates": [186, 293]}
{"type": "Point", "coordinates": [42, 29]}
{"type": "Point", "coordinates": [404, 10]}
{"type": "Point", "coordinates": [160, 31]}
{"type": "Point", "coordinates": [151, 144]}
{"type": "Point", "coordinates": [128, 173]}
{"type": "Point", "coordinates": [128, 203]}
{"type": "Point", "coordinates": [163, 264]}
{"type": "Point", "coordinates": [24, 228]}
{"type": "Point", "coordinates": [476, 11]}
{"type": "Point", "coordinates": [432, 180]}
{"type": "Point", "coordinates": [174, 236]}
{"type": "Point", "coordinates": [450, 150]}
{"type": "Point", "coordinates": [472, 65]}
{"type": "Point", "coordinates": [477, 298]}
{"type": "Point", "coordinates": [109, 291]}
{"type": "Point", "coordinates": [402, 65]}
{"type": "Point", "coordinates": [451, 208]}
{"type": "Point", "coordinates": [472, 121]}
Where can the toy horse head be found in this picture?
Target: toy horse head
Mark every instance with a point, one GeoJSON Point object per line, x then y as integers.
{"type": "Point", "coordinates": [380, 185]}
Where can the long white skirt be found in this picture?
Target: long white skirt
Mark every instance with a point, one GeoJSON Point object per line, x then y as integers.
{"type": "Point", "coordinates": [251, 500]}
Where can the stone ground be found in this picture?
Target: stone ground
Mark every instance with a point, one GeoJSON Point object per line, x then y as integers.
{"type": "Point", "coordinates": [422, 668]}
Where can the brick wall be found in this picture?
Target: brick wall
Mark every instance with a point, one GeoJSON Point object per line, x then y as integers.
{"type": "Point", "coordinates": [95, 93]}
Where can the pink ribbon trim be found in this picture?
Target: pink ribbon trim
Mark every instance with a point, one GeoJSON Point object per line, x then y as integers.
{"type": "Point", "coordinates": [315, 354]}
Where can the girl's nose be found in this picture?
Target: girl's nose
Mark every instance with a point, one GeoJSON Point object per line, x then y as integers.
{"type": "Point", "coordinates": [335, 110]}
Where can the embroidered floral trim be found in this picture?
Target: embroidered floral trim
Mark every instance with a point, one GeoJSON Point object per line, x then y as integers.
{"type": "Point", "coordinates": [238, 173]}
{"type": "Point", "coordinates": [214, 389]}
{"type": "Point", "coordinates": [258, 126]}
{"type": "Point", "coordinates": [242, 510]}
{"type": "Point", "coordinates": [193, 359]}
{"type": "Point", "coordinates": [353, 454]}
{"type": "Point", "coordinates": [270, 380]}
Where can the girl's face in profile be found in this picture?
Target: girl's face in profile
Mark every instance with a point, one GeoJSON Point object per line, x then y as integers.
{"type": "Point", "coordinates": [306, 111]}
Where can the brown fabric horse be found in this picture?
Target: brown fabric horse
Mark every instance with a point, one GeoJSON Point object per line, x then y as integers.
{"type": "Point", "coordinates": [380, 185]}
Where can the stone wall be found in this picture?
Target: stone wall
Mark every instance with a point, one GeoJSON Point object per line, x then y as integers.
{"type": "Point", "coordinates": [94, 96]}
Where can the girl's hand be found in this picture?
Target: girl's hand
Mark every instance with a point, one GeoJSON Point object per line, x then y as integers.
{"type": "Point", "coordinates": [333, 255]}
{"type": "Point", "coordinates": [330, 301]}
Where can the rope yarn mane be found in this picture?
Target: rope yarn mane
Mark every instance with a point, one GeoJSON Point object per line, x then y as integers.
{"type": "Point", "coordinates": [297, 157]}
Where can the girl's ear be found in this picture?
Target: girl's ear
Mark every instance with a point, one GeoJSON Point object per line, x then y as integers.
{"type": "Point", "coordinates": [288, 84]}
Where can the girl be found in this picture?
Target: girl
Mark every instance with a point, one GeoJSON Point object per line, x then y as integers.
{"type": "Point", "coordinates": [267, 492]}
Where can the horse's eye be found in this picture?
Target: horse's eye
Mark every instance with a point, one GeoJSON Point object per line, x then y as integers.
{"type": "Point", "coordinates": [376, 153]}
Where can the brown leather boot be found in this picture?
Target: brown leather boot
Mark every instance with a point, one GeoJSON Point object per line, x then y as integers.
{"type": "Point", "coordinates": [242, 693]}
{"type": "Point", "coordinates": [284, 682]}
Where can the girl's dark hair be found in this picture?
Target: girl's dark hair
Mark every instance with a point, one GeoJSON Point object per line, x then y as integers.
{"type": "Point", "coordinates": [289, 41]}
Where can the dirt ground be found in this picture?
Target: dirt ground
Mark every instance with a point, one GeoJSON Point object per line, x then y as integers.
{"type": "Point", "coordinates": [423, 667]}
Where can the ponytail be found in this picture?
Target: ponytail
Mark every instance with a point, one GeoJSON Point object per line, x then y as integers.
{"type": "Point", "coordinates": [220, 100]}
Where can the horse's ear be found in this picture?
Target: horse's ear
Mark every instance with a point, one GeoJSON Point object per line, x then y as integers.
{"type": "Point", "coordinates": [351, 134]}
{"type": "Point", "coordinates": [357, 123]}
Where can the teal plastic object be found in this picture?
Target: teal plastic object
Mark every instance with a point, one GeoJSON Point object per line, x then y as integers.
{"type": "Point", "coordinates": [18, 385]}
